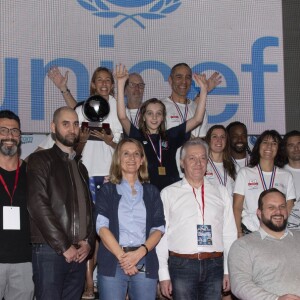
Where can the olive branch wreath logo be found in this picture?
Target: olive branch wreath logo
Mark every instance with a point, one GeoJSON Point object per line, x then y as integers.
{"type": "Point", "coordinates": [158, 11]}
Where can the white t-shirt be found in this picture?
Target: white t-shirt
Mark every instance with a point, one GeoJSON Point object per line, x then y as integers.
{"type": "Point", "coordinates": [294, 218]}
{"type": "Point", "coordinates": [133, 115]}
{"type": "Point", "coordinates": [212, 176]}
{"type": "Point", "coordinates": [248, 183]}
{"type": "Point", "coordinates": [173, 118]}
{"type": "Point", "coordinates": [97, 155]}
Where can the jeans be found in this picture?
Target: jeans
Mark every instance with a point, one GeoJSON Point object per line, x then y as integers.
{"type": "Point", "coordinates": [196, 279]}
{"type": "Point", "coordinates": [139, 287]}
{"type": "Point", "coordinates": [53, 277]}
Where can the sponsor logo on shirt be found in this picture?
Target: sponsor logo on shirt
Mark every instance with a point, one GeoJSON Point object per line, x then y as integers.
{"type": "Point", "coordinates": [252, 184]}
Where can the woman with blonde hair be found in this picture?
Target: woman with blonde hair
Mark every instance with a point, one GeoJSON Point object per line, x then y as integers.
{"type": "Point", "coordinates": [130, 222]}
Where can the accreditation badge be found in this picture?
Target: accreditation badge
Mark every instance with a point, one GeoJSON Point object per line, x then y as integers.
{"type": "Point", "coordinates": [11, 218]}
{"type": "Point", "coordinates": [204, 235]}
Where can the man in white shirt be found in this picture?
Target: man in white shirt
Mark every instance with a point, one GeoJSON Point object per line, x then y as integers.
{"type": "Point", "coordinates": [291, 144]}
{"type": "Point", "coordinates": [178, 107]}
{"type": "Point", "coordinates": [200, 229]}
{"type": "Point", "coordinates": [238, 140]}
{"type": "Point", "coordinates": [134, 92]}
{"type": "Point", "coordinates": [265, 264]}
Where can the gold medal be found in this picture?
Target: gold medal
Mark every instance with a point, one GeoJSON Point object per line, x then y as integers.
{"type": "Point", "coordinates": [161, 171]}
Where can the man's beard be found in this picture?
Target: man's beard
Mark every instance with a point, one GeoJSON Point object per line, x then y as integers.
{"type": "Point", "coordinates": [273, 226]}
{"type": "Point", "coordinates": [239, 149]}
{"type": "Point", "coordinates": [69, 140]}
{"type": "Point", "coordinates": [9, 150]}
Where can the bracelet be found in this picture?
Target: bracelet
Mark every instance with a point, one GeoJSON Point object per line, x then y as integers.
{"type": "Point", "coordinates": [67, 91]}
{"type": "Point", "coordinates": [147, 251]}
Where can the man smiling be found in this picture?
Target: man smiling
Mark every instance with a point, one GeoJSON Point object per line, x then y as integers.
{"type": "Point", "coordinates": [265, 264]}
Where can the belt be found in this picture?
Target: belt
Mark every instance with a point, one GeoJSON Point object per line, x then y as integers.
{"type": "Point", "coordinates": [199, 256]}
{"type": "Point", "coordinates": [129, 249]}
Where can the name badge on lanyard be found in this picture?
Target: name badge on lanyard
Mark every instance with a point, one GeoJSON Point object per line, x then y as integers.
{"type": "Point", "coordinates": [11, 218]}
{"type": "Point", "coordinates": [204, 232]}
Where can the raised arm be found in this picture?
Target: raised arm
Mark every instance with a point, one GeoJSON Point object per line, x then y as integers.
{"type": "Point", "coordinates": [197, 119]}
{"type": "Point", "coordinates": [60, 82]}
{"type": "Point", "coordinates": [121, 75]}
{"type": "Point", "coordinates": [213, 81]}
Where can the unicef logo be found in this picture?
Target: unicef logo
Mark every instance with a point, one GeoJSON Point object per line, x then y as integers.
{"type": "Point", "coordinates": [153, 9]}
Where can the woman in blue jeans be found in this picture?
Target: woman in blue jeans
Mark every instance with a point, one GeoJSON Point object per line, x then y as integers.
{"type": "Point", "coordinates": [130, 222]}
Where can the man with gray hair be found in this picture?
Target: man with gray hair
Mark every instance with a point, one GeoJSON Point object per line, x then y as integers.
{"type": "Point", "coordinates": [200, 229]}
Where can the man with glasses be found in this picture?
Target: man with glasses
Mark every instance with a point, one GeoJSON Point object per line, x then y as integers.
{"type": "Point", "coordinates": [15, 251]}
{"type": "Point", "coordinates": [265, 264]}
{"type": "Point", "coordinates": [134, 92]}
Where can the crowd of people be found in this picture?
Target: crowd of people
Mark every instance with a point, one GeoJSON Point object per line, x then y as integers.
{"type": "Point", "coordinates": [160, 198]}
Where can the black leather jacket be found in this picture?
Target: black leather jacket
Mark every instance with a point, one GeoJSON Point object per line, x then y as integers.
{"type": "Point", "coordinates": [54, 215]}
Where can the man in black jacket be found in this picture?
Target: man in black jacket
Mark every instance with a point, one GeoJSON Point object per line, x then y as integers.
{"type": "Point", "coordinates": [60, 208]}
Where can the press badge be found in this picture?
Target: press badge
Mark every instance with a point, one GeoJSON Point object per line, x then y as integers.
{"type": "Point", "coordinates": [204, 235]}
{"type": "Point", "coordinates": [11, 218]}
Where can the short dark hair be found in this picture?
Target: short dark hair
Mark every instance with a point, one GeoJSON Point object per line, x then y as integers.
{"type": "Point", "coordinates": [182, 64]}
{"type": "Point", "coordinates": [236, 123]}
{"type": "Point", "coordinates": [266, 192]}
{"type": "Point", "coordinates": [284, 142]}
{"type": "Point", "coordinates": [255, 156]}
{"type": "Point", "coordinates": [8, 114]}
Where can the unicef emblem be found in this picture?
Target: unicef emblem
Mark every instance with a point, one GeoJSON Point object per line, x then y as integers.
{"type": "Point", "coordinates": [153, 9]}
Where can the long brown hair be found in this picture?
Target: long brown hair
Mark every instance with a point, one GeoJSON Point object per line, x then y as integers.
{"type": "Point", "coordinates": [227, 160]}
{"type": "Point", "coordinates": [115, 171]}
{"type": "Point", "coordinates": [142, 123]}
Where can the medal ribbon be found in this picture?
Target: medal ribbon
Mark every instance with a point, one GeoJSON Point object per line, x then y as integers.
{"type": "Point", "coordinates": [11, 195]}
{"type": "Point", "coordinates": [202, 196]}
{"type": "Point", "coordinates": [186, 109]}
{"type": "Point", "coordinates": [136, 119]}
{"type": "Point", "coordinates": [159, 156]}
{"type": "Point", "coordinates": [217, 172]}
{"type": "Point", "coordinates": [262, 178]}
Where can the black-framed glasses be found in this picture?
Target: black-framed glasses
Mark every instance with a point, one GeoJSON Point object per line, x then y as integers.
{"type": "Point", "coordinates": [134, 85]}
{"type": "Point", "coordinates": [15, 132]}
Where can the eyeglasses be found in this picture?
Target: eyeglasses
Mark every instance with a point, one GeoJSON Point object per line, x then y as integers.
{"type": "Point", "coordinates": [15, 132]}
{"type": "Point", "coordinates": [134, 85]}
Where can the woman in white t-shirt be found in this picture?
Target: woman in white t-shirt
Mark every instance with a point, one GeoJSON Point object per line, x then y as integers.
{"type": "Point", "coordinates": [264, 172]}
{"type": "Point", "coordinates": [220, 166]}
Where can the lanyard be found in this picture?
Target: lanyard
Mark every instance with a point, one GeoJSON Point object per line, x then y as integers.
{"type": "Point", "coordinates": [158, 155]}
{"type": "Point", "coordinates": [217, 172]}
{"type": "Point", "coordinates": [203, 204]}
{"type": "Point", "coordinates": [136, 119]}
{"type": "Point", "coordinates": [15, 185]}
{"type": "Point", "coordinates": [186, 109]}
{"type": "Point", "coordinates": [262, 178]}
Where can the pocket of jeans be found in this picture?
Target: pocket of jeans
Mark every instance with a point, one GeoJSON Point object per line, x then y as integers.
{"type": "Point", "coordinates": [218, 262]}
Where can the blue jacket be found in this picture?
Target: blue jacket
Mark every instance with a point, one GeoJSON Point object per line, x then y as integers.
{"type": "Point", "coordinates": [107, 204]}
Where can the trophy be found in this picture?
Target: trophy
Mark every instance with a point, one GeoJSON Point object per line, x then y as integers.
{"type": "Point", "coordinates": [96, 109]}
